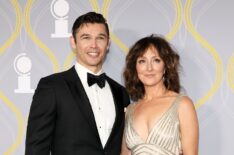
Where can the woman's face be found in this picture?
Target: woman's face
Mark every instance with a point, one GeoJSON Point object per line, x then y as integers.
{"type": "Point", "coordinates": [150, 68]}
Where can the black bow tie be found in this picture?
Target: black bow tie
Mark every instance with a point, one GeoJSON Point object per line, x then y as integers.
{"type": "Point", "coordinates": [99, 80]}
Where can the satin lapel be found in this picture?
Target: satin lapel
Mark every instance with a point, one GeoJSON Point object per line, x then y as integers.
{"type": "Point", "coordinates": [117, 95]}
{"type": "Point", "coordinates": [81, 98]}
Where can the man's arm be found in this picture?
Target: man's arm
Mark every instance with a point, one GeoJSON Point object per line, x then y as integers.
{"type": "Point", "coordinates": [41, 120]}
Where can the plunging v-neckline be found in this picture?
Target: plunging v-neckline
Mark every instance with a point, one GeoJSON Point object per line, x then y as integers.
{"type": "Point", "coordinates": [155, 123]}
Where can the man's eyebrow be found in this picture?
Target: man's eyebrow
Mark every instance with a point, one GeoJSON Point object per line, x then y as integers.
{"type": "Point", "coordinates": [84, 35]}
{"type": "Point", "coordinates": [103, 34]}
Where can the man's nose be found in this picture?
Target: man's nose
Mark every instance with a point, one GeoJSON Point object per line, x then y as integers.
{"type": "Point", "coordinates": [93, 43]}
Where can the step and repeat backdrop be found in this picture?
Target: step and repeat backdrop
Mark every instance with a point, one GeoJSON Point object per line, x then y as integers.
{"type": "Point", "coordinates": [34, 42]}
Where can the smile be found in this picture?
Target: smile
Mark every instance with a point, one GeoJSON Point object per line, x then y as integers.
{"type": "Point", "coordinates": [93, 54]}
{"type": "Point", "coordinates": [149, 75]}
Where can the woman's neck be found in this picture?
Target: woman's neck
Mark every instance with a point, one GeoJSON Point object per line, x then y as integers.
{"type": "Point", "coordinates": [155, 92]}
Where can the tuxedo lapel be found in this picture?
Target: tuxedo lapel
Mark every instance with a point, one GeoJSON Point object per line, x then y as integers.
{"type": "Point", "coordinates": [81, 98]}
{"type": "Point", "coordinates": [117, 95]}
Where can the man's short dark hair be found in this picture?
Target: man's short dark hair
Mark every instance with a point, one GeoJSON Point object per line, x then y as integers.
{"type": "Point", "coordinates": [90, 17]}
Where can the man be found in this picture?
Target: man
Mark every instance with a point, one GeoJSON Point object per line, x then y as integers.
{"type": "Point", "coordinates": [76, 112]}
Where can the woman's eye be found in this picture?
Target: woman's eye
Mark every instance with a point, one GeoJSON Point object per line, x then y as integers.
{"type": "Point", "coordinates": [157, 60]}
{"type": "Point", "coordinates": [141, 61]}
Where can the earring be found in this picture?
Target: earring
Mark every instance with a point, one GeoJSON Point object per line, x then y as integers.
{"type": "Point", "coordinates": [164, 75]}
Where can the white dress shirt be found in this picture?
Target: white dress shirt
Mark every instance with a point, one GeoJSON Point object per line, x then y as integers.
{"type": "Point", "coordinates": [101, 101]}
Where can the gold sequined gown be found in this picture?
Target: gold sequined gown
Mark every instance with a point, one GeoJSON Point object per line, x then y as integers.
{"type": "Point", "coordinates": [163, 139]}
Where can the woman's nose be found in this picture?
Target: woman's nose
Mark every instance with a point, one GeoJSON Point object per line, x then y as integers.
{"type": "Point", "coordinates": [149, 66]}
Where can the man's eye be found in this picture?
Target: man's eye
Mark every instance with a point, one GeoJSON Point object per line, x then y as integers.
{"type": "Point", "coordinates": [101, 38]}
{"type": "Point", "coordinates": [86, 37]}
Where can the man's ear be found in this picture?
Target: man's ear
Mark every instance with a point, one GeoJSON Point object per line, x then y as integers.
{"type": "Point", "coordinates": [108, 45]}
{"type": "Point", "coordinates": [72, 42]}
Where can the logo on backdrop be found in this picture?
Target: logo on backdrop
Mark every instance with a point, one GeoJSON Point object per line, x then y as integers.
{"type": "Point", "coordinates": [59, 9]}
{"type": "Point", "coordinates": [22, 66]}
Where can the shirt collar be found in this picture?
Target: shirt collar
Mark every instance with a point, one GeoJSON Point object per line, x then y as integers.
{"type": "Point", "coordinates": [82, 72]}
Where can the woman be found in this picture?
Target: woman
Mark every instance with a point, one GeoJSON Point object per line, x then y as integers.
{"type": "Point", "coordinates": [161, 121]}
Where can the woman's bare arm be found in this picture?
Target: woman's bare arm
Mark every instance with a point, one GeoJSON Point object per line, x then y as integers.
{"type": "Point", "coordinates": [189, 127]}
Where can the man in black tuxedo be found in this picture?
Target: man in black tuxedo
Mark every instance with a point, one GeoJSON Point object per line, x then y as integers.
{"type": "Point", "coordinates": [79, 111]}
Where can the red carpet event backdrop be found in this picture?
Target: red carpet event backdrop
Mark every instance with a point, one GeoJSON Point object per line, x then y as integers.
{"type": "Point", "coordinates": [34, 42]}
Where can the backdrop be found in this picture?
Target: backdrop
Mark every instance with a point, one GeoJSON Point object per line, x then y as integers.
{"type": "Point", "coordinates": [34, 43]}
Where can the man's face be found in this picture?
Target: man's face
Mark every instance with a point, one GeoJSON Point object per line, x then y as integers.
{"type": "Point", "coordinates": [91, 45]}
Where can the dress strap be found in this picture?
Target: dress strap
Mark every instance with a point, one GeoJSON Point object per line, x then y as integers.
{"type": "Point", "coordinates": [179, 97]}
{"type": "Point", "coordinates": [129, 109]}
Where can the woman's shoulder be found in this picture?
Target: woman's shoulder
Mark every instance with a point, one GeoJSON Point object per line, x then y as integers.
{"type": "Point", "coordinates": [185, 100]}
{"type": "Point", "coordinates": [182, 99]}
{"type": "Point", "coordinates": [186, 104]}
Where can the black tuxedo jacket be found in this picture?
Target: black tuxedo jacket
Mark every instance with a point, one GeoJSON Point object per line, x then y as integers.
{"type": "Point", "coordinates": [61, 119]}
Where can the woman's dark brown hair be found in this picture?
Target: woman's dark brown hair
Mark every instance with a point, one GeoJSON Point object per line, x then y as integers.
{"type": "Point", "coordinates": [170, 58]}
